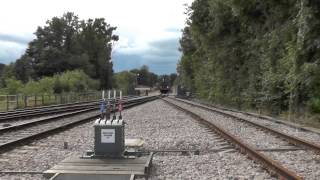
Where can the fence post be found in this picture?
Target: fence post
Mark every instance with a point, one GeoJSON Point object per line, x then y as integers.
{"type": "Point", "coordinates": [7, 103]}
{"type": "Point", "coordinates": [17, 101]}
{"type": "Point", "coordinates": [35, 100]}
{"type": "Point", "coordinates": [42, 100]}
{"type": "Point", "coordinates": [25, 101]}
{"type": "Point", "coordinates": [68, 97]}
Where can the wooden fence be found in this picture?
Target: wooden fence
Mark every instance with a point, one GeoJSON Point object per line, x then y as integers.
{"type": "Point", "coordinates": [20, 101]}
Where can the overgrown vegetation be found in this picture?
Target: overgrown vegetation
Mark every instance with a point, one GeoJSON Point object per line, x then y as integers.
{"type": "Point", "coordinates": [253, 54]}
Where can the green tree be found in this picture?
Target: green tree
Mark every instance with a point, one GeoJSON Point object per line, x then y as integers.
{"type": "Point", "coordinates": [67, 43]}
{"type": "Point", "coordinates": [253, 53]}
{"type": "Point", "coordinates": [125, 81]}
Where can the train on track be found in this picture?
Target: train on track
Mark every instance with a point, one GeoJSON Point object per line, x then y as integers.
{"type": "Point", "coordinates": [164, 86]}
{"type": "Point", "coordinates": [164, 89]}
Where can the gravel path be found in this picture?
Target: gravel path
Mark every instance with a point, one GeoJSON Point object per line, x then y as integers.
{"type": "Point", "coordinates": [303, 162]}
{"type": "Point", "coordinates": [162, 128]}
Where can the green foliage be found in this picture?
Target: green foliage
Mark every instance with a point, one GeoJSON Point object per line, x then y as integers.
{"type": "Point", "coordinates": [74, 81]}
{"type": "Point", "coordinates": [67, 43]}
{"type": "Point", "coordinates": [13, 86]}
{"type": "Point", "coordinates": [69, 81]}
{"type": "Point", "coordinates": [125, 81]}
{"type": "Point", "coordinates": [314, 105]}
{"type": "Point", "coordinates": [145, 77]}
{"type": "Point", "coordinates": [253, 53]}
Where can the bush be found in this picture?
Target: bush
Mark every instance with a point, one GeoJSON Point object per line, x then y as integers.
{"type": "Point", "coordinates": [13, 86]}
{"type": "Point", "coordinates": [74, 81]}
{"type": "Point", "coordinates": [314, 105]}
{"type": "Point", "coordinates": [69, 81]}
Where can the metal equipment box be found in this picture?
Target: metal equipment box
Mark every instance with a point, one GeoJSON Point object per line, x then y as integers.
{"type": "Point", "coordinates": [109, 138]}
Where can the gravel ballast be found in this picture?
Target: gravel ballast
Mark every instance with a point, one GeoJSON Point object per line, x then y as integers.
{"type": "Point", "coordinates": [293, 131]}
{"type": "Point", "coordinates": [162, 128]}
{"type": "Point", "coordinates": [305, 163]}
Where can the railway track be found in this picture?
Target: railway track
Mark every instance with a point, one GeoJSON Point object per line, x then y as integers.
{"type": "Point", "coordinates": [278, 152]}
{"type": "Point", "coordinates": [47, 110]}
{"type": "Point", "coordinates": [163, 127]}
{"type": "Point", "coordinates": [22, 133]}
{"type": "Point", "coordinates": [292, 129]}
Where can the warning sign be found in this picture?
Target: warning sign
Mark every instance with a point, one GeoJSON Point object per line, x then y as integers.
{"type": "Point", "coordinates": [107, 135]}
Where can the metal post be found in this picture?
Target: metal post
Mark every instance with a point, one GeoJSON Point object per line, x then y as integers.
{"type": "Point", "coordinates": [42, 99]}
{"type": "Point", "coordinates": [35, 100]}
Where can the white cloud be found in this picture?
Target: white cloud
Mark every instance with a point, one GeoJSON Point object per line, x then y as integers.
{"type": "Point", "coordinates": [139, 22]}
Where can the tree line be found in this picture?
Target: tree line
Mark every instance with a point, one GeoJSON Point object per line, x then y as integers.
{"type": "Point", "coordinates": [64, 44]}
{"type": "Point", "coordinates": [72, 55]}
{"type": "Point", "coordinates": [253, 54]}
{"type": "Point", "coordinates": [128, 80]}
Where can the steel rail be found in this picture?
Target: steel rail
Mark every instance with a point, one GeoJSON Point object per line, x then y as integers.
{"type": "Point", "coordinates": [291, 139]}
{"type": "Point", "coordinates": [260, 116]}
{"type": "Point", "coordinates": [40, 108]}
{"type": "Point", "coordinates": [48, 119]}
{"type": "Point", "coordinates": [6, 146]}
{"type": "Point", "coordinates": [54, 117]}
{"type": "Point", "coordinates": [273, 166]}
{"type": "Point", "coordinates": [48, 112]}
{"type": "Point", "coordinates": [45, 111]}
{"type": "Point", "coordinates": [55, 107]}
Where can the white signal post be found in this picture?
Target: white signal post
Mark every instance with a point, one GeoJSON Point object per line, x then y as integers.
{"type": "Point", "coordinates": [120, 106]}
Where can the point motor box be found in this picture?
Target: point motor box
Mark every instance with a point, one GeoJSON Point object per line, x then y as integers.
{"type": "Point", "coordinates": [109, 138]}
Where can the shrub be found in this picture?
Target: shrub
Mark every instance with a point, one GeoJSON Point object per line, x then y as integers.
{"type": "Point", "coordinates": [314, 105]}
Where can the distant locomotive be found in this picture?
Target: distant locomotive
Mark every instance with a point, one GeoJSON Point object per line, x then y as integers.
{"type": "Point", "coordinates": [164, 89]}
{"type": "Point", "coordinates": [164, 86]}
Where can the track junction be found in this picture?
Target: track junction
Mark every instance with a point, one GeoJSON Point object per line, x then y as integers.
{"type": "Point", "coordinates": [191, 141]}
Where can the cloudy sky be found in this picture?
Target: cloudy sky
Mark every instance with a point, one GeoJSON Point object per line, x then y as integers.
{"type": "Point", "coordinates": [149, 30]}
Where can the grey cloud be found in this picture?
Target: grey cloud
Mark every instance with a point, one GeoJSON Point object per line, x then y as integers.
{"type": "Point", "coordinates": [164, 48]}
{"type": "Point", "coordinates": [161, 57]}
{"type": "Point", "coordinates": [15, 38]}
{"type": "Point", "coordinates": [11, 53]}
{"type": "Point", "coordinates": [129, 61]}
